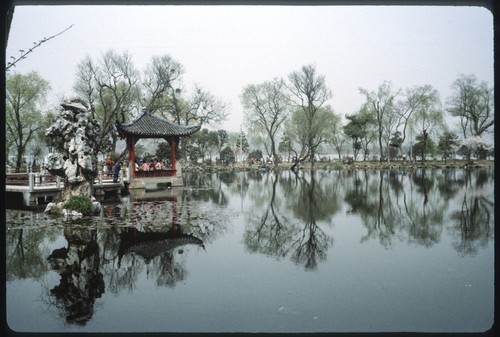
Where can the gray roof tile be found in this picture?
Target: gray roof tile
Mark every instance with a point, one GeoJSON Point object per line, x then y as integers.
{"type": "Point", "coordinates": [151, 126]}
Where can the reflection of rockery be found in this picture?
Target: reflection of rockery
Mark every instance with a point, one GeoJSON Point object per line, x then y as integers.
{"type": "Point", "coordinates": [74, 138]}
{"type": "Point", "coordinates": [81, 282]}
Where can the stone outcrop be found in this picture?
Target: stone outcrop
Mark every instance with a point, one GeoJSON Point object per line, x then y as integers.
{"type": "Point", "coordinates": [73, 138]}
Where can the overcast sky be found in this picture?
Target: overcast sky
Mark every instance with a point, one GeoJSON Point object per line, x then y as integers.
{"type": "Point", "coordinates": [224, 48]}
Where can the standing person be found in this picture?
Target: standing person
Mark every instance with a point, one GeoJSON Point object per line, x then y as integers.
{"type": "Point", "coordinates": [109, 164]}
{"type": "Point", "coordinates": [116, 171]}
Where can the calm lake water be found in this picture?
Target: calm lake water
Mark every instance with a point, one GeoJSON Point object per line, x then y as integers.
{"type": "Point", "coordinates": [323, 251]}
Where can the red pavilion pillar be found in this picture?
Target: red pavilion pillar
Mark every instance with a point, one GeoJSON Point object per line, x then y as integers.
{"type": "Point", "coordinates": [172, 154]}
{"type": "Point", "coordinates": [131, 153]}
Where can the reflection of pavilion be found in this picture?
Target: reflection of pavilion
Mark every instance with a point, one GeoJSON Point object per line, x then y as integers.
{"type": "Point", "coordinates": [152, 244]}
{"type": "Point", "coordinates": [149, 126]}
{"type": "Point", "coordinates": [159, 248]}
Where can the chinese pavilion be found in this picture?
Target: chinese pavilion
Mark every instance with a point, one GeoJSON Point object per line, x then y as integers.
{"type": "Point", "coordinates": [149, 126]}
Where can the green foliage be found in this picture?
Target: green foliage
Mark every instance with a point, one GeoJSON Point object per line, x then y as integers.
{"type": "Point", "coordinates": [424, 146]}
{"type": "Point", "coordinates": [81, 204]}
{"type": "Point", "coordinates": [255, 155]}
{"type": "Point", "coordinates": [447, 144]}
{"type": "Point", "coordinates": [227, 156]}
{"type": "Point", "coordinates": [163, 150]}
{"type": "Point", "coordinates": [222, 139]}
{"type": "Point", "coordinates": [395, 145]}
{"type": "Point", "coordinates": [359, 129]}
{"type": "Point", "coordinates": [206, 141]}
{"type": "Point", "coordinates": [23, 118]}
{"type": "Point", "coordinates": [194, 153]}
{"type": "Point", "coordinates": [312, 120]}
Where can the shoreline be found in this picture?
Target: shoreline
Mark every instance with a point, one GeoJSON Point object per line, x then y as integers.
{"type": "Point", "coordinates": [336, 165]}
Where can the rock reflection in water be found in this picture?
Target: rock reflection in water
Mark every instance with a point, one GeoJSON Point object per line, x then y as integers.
{"type": "Point", "coordinates": [81, 281]}
{"type": "Point", "coordinates": [79, 266]}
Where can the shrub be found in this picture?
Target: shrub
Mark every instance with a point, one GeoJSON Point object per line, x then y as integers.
{"type": "Point", "coordinates": [81, 204]}
{"type": "Point", "coordinates": [227, 156]}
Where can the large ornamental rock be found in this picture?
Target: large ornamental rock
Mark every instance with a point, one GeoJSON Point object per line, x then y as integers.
{"type": "Point", "coordinates": [74, 138]}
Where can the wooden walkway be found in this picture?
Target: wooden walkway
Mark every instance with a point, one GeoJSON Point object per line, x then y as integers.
{"type": "Point", "coordinates": [36, 187]}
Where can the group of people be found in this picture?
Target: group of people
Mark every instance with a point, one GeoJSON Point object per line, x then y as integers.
{"type": "Point", "coordinates": [112, 169]}
{"type": "Point", "coordinates": [153, 165]}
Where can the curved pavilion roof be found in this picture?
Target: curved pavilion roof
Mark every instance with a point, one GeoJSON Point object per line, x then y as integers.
{"type": "Point", "coordinates": [151, 244]}
{"type": "Point", "coordinates": [149, 126]}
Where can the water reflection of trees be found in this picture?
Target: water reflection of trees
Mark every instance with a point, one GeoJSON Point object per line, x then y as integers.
{"type": "Point", "coordinates": [206, 187]}
{"type": "Point", "coordinates": [25, 253]}
{"type": "Point", "coordinates": [271, 230]}
{"type": "Point", "coordinates": [27, 235]}
{"type": "Point", "coordinates": [289, 216]}
{"type": "Point", "coordinates": [272, 233]}
{"type": "Point", "coordinates": [413, 205]}
{"type": "Point", "coordinates": [425, 209]}
{"type": "Point", "coordinates": [409, 206]}
{"type": "Point", "coordinates": [472, 223]}
{"type": "Point", "coordinates": [373, 196]}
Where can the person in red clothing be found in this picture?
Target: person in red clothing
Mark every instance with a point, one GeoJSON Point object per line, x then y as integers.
{"type": "Point", "coordinates": [145, 166]}
{"type": "Point", "coordinates": [109, 164]}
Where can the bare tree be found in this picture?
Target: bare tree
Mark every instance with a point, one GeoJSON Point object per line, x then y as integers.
{"type": "Point", "coordinates": [308, 93]}
{"type": "Point", "coordinates": [161, 83]}
{"type": "Point", "coordinates": [414, 99]}
{"type": "Point", "coordinates": [111, 87]}
{"type": "Point", "coordinates": [381, 103]}
{"type": "Point", "coordinates": [266, 107]}
{"type": "Point", "coordinates": [473, 103]}
{"type": "Point", "coordinates": [163, 95]}
{"type": "Point", "coordinates": [204, 108]}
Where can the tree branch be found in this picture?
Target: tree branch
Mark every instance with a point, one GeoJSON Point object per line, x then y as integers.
{"type": "Point", "coordinates": [36, 45]}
